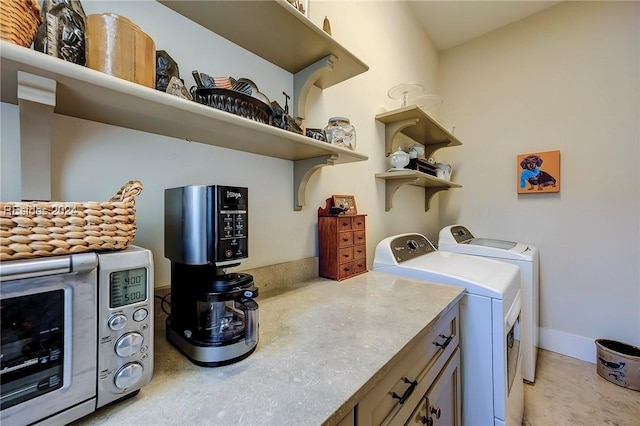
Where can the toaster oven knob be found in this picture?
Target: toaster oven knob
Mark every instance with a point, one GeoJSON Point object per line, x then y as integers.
{"type": "Point", "coordinates": [128, 375]}
{"type": "Point", "coordinates": [128, 344]}
{"type": "Point", "coordinates": [117, 322]}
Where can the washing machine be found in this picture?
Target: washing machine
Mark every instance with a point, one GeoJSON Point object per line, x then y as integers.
{"type": "Point", "coordinates": [492, 386]}
{"type": "Point", "coordinates": [458, 239]}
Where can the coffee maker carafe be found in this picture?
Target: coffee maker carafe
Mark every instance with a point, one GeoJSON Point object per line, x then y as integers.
{"type": "Point", "coordinates": [214, 319]}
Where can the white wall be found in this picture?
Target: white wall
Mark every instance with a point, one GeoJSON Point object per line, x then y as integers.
{"type": "Point", "coordinates": [91, 160]}
{"type": "Point", "coordinates": [564, 79]}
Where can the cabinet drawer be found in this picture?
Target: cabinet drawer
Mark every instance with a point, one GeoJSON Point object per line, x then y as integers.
{"type": "Point", "coordinates": [344, 224]}
{"type": "Point", "coordinates": [345, 255]}
{"type": "Point", "coordinates": [358, 223]}
{"type": "Point", "coordinates": [359, 266]}
{"type": "Point", "coordinates": [360, 252]}
{"type": "Point", "coordinates": [348, 269]}
{"type": "Point", "coordinates": [345, 270]}
{"type": "Point", "coordinates": [359, 237]}
{"type": "Point", "coordinates": [345, 239]}
{"type": "Point", "coordinates": [397, 394]}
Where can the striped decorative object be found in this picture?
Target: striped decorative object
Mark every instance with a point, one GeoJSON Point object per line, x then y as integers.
{"type": "Point", "coordinates": [37, 229]}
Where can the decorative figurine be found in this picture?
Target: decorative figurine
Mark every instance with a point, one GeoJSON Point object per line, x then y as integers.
{"type": "Point", "coordinates": [282, 119]}
{"type": "Point", "coordinates": [317, 134]}
{"type": "Point", "coordinates": [166, 68]}
{"type": "Point", "coordinates": [203, 80]}
{"type": "Point", "coordinates": [326, 26]}
{"type": "Point", "coordinates": [62, 33]}
{"type": "Point", "coordinates": [177, 88]}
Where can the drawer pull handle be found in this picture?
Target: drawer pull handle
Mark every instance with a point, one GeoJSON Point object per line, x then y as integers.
{"type": "Point", "coordinates": [402, 399]}
{"type": "Point", "coordinates": [447, 340]}
{"type": "Point", "coordinates": [427, 421]}
{"type": "Point", "coordinates": [437, 412]}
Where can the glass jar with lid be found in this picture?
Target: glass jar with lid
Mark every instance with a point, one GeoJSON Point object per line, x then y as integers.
{"type": "Point", "coordinates": [340, 132]}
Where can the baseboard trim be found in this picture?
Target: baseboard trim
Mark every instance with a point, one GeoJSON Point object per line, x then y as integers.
{"type": "Point", "coordinates": [567, 344]}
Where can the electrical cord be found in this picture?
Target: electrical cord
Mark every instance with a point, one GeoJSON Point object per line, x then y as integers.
{"type": "Point", "coordinates": [164, 302]}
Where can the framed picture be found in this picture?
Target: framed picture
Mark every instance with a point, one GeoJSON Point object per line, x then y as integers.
{"type": "Point", "coordinates": [538, 172]}
{"type": "Point", "coordinates": [345, 201]}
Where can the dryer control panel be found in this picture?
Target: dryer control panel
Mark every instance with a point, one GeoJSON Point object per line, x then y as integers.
{"type": "Point", "coordinates": [461, 234]}
{"type": "Point", "coordinates": [410, 246]}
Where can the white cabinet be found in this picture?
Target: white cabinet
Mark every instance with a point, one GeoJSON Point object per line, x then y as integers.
{"type": "Point", "coordinates": [42, 85]}
{"type": "Point", "coordinates": [427, 371]}
{"type": "Point", "coordinates": [417, 125]}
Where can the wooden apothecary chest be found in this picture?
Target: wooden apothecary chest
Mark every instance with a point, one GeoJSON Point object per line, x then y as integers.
{"type": "Point", "coordinates": [342, 246]}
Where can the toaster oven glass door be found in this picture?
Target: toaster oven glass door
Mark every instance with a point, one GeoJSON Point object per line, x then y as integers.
{"type": "Point", "coordinates": [49, 338]}
{"type": "Point", "coordinates": [32, 346]}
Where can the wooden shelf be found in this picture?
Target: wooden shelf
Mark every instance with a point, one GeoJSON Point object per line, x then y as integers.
{"type": "Point", "coordinates": [416, 124]}
{"type": "Point", "coordinates": [277, 32]}
{"type": "Point", "coordinates": [88, 94]}
{"type": "Point", "coordinates": [395, 179]}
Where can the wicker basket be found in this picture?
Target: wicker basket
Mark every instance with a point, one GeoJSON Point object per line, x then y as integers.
{"type": "Point", "coordinates": [19, 21]}
{"type": "Point", "coordinates": [35, 229]}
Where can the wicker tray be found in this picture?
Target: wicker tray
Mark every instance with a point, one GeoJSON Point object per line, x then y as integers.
{"type": "Point", "coordinates": [19, 21]}
{"type": "Point", "coordinates": [36, 229]}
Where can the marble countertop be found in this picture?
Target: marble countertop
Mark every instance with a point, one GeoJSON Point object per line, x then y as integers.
{"type": "Point", "coordinates": [322, 346]}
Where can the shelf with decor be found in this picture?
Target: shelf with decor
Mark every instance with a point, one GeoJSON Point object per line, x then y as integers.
{"type": "Point", "coordinates": [42, 85]}
{"type": "Point", "coordinates": [286, 38]}
{"type": "Point", "coordinates": [414, 123]}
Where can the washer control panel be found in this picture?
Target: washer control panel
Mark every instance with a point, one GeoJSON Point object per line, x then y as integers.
{"type": "Point", "coordinates": [410, 246]}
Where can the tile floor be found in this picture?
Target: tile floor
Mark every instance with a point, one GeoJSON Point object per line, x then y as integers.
{"type": "Point", "coordinates": [569, 392]}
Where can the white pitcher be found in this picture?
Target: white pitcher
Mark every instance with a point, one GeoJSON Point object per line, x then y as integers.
{"type": "Point", "coordinates": [444, 171]}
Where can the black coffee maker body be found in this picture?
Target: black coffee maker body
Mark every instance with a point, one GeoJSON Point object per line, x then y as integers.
{"type": "Point", "coordinates": [214, 317]}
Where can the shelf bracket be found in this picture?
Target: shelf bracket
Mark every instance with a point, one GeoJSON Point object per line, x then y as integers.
{"type": "Point", "coordinates": [391, 187]}
{"type": "Point", "coordinates": [430, 149]}
{"type": "Point", "coordinates": [36, 101]}
{"type": "Point", "coordinates": [391, 132]}
{"type": "Point", "coordinates": [430, 192]}
{"type": "Point", "coordinates": [302, 172]}
{"type": "Point", "coordinates": [304, 79]}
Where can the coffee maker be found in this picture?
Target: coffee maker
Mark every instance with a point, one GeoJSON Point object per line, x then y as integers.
{"type": "Point", "coordinates": [214, 319]}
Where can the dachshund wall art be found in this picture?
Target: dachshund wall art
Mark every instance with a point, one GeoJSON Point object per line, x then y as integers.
{"type": "Point", "coordinates": [539, 172]}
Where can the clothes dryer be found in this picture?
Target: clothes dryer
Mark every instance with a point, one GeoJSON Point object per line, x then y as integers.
{"type": "Point", "coordinates": [492, 386]}
{"type": "Point", "coordinates": [458, 239]}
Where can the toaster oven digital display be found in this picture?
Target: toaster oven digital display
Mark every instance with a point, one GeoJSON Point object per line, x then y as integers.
{"type": "Point", "coordinates": [127, 287]}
